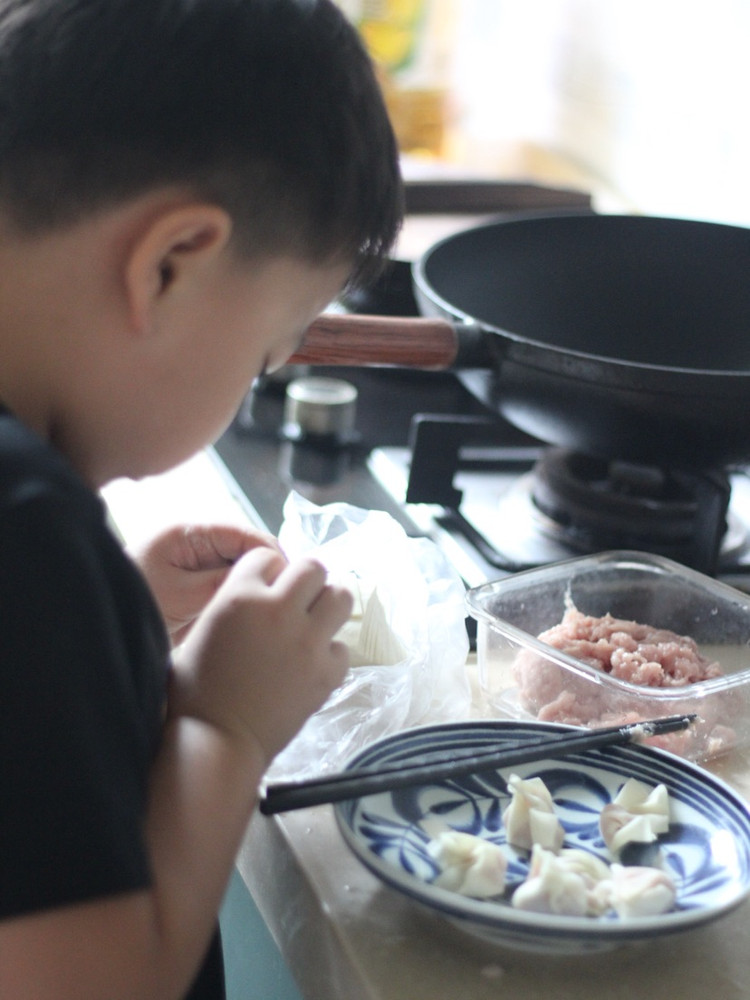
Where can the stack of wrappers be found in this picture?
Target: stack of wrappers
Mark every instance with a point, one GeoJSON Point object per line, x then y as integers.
{"type": "Point", "coordinates": [407, 634]}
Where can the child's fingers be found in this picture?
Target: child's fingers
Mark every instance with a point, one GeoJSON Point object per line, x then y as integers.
{"type": "Point", "coordinates": [264, 562]}
{"type": "Point", "coordinates": [229, 543]}
{"type": "Point", "coordinates": [332, 607]}
{"type": "Point", "coordinates": [302, 581]}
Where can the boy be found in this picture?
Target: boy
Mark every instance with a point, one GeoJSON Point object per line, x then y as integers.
{"type": "Point", "coordinates": [184, 185]}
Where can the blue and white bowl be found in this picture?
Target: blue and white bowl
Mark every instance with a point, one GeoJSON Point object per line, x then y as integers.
{"type": "Point", "coordinates": [706, 850]}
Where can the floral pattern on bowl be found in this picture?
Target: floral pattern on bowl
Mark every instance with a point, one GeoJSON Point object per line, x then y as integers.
{"type": "Point", "coordinates": [706, 849]}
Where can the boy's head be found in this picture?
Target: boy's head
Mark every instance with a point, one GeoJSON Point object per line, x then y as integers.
{"type": "Point", "coordinates": [267, 108]}
{"type": "Point", "coordinates": [184, 185]}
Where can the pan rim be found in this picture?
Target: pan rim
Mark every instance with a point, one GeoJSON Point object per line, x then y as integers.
{"type": "Point", "coordinates": [427, 294]}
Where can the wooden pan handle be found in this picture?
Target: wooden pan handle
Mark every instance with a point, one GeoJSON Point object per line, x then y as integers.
{"type": "Point", "coordinates": [378, 341]}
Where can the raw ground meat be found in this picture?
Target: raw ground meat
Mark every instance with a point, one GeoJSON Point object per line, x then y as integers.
{"type": "Point", "coordinates": [639, 654]}
{"type": "Point", "coordinates": [629, 651]}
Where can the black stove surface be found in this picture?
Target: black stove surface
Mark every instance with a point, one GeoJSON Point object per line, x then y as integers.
{"type": "Point", "coordinates": [262, 462]}
{"type": "Point", "coordinates": [462, 473]}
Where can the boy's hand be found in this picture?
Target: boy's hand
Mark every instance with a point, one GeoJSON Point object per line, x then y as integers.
{"type": "Point", "coordinates": [261, 658]}
{"type": "Point", "coordinates": [186, 565]}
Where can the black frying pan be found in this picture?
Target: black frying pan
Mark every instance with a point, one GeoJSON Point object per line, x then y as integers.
{"type": "Point", "coordinates": [623, 337]}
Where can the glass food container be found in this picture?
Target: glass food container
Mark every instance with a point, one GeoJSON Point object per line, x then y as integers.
{"type": "Point", "coordinates": [557, 678]}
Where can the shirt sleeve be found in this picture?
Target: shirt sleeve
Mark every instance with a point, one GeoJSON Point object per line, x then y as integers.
{"type": "Point", "coordinates": [80, 691]}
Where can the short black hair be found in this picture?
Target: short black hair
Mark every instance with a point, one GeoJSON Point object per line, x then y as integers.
{"type": "Point", "coordinates": [270, 108]}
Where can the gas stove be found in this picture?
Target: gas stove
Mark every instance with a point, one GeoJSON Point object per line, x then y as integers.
{"type": "Point", "coordinates": [423, 448]}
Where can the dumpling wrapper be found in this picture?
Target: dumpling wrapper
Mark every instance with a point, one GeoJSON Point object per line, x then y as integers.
{"type": "Point", "coordinates": [567, 884]}
{"type": "Point", "coordinates": [469, 865]}
{"type": "Point", "coordinates": [640, 891]}
{"type": "Point", "coordinates": [637, 814]}
{"type": "Point", "coordinates": [530, 817]}
{"type": "Point", "coordinates": [370, 638]}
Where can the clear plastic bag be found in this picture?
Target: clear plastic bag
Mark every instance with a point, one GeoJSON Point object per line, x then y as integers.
{"type": "Point", "coordinates": [423, 604]}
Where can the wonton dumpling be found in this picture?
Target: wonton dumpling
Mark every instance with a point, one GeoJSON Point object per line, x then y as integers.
{"type": "Point", "coordinates": [468, 864]}
{"type": "Point", "coordinates": [530, 816]}
{"type": "Point", "coordinates": [638, 813]}
{"type": "Point", "coordinates": [641, 892]}
{"type": "Point", "coordinates": [588, 866]}
{"type": "Point", "coordinates": [560, 885]}
{"type": "Point", "coordinates": [576, 884]}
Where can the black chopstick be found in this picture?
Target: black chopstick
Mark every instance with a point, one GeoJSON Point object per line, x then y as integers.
{"type": "Point", "coordinates": [353, 784]}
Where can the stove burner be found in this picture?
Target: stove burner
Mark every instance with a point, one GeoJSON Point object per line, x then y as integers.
{"type": "Point", "coordinates": [590, 504]}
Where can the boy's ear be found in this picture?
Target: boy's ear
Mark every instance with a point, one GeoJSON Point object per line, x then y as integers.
{"type": "Point", "coordinates": [169, 248]}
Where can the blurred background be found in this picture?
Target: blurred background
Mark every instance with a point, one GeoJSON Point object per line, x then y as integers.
{"type": "Point", "coordinates": [646, 99]}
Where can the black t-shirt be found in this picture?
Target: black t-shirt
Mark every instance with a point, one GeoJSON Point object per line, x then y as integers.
{"type": "Point", "coordinates": [83, 663]}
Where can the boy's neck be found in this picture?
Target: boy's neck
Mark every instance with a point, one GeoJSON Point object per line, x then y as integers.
{"type": "Point", "coordinates": [47, 289]}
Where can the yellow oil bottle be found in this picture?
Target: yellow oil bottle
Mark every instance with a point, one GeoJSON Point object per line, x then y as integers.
{"type": "Point", "coordinates": [409, 41]}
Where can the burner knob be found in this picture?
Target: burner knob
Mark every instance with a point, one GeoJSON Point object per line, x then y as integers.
{"type": "Point", "coordinates": [320, 409]}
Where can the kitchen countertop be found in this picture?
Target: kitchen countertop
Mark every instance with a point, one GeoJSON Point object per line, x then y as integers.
{"type": "Point", "coordinates": [344, 935]}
